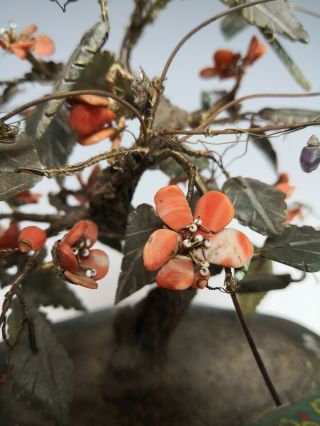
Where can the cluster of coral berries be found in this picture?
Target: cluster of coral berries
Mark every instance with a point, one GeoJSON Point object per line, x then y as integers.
{"type": "Point", "coordinates": [72, 256]}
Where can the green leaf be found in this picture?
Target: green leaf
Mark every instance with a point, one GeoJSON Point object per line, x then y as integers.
{"type": "Point", "coordinates": [295, 246]}
{"type": "Point", "coordinates": [257, 205]}
{"type": "Point", "coordinates": [56, 144]}
{"type": "Point", "coordinates": [262, 142]}
{"type": "Point", "coordinates": [175, 172]}
{"type": "Point", "coordinates": [46, 288]}
{"type": "Point", "coordinates": [83, 55]}
{"type": "Point", "coordinates": [94, 75]}
{"type": "Point", "coordinates": [232, 24]}
{"type": "Point", "coordinates": [169, 116]}
{"type": "Point", "coordinates": [21, 153]}
{"type": "Point", "coordinates": [44, 378]}
{"type": "Point", "coordinates": [14, 322]}
{"type": "Point", "coordinates": [286, 59]}
{"type": "Point", "coordinates": [141, 223]}
{"type": "Point", "coordinates": [276, 17]}
{"type": "Point", "coordinates": [288, 115]}
{"type": "Point", "coordinates": [250, 301]}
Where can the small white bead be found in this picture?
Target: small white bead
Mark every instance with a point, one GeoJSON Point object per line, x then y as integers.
{"type": "Point", "coordinates": [89, 273]}
{"type": "Point", "coordinates": [81, 244]}
{"type": "Point", "coordinates": [205, 264]}
{"type": "Point", "coordinates": [93, 272]}
{"type": "Point", "coordinates": [88, 242]}
{"type": "Point", "coordinates": [75, 251]}
{"type": "Point", "coordinates": [207, 243]}
{"type": "Point", "coordinates": [193, 228]}
{"type": "Point", "coordinates": [187, 243]}
{"type": "Point", "coordinates": [198, 238]}
{"type": "Point", "coordinates": [204, 272]}
{"type": "Point", "coordinates": [239, 275]}
{"type": "Point", "coordinates": [3, 30]}
{"type": "Point", "coordinates": [85, 252]}
{"type": "Point", "coordinates": [198, 221]}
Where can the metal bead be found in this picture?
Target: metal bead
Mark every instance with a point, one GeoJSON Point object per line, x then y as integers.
{"type": "Point", "coordinates": [187, 243]}
{"type": "Point", "coordinates": [207, 243]}
{"type": "Point", "coordinates": [193, 228]}
{"type": "Point", "coordinates": [85, 252]}
{"type": "Point", "coordinates": [204, 272]}
{"type": "Point", "coordinates": [89, 273]}
{"type": "Point", "coordinates": [81, 244]}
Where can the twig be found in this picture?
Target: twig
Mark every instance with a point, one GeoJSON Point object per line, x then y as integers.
{"type": "Point", "coordinates": [34, 217]}
{"type": "Point", "coordinates": [74, 168]}
{"type": "Point", "coordinates": [30, 264]}
{"type": "Point", "coordinates": [77, 93]}
{"type": "Point", "coordinates": [255, 96]}
{"type": "Point", "coordinates": [233, 131]}
{"type": "Point", "coordinates": [190, 34]}
{"type": "Point", "coordinates": [104, 10]}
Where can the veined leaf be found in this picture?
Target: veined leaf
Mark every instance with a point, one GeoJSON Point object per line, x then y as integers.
{"type": "Point", "coordinates": [257, 205]}
{"type": "Point", "coordinates": [175, 172]}
{"type": "Point", "coordinates": [21, 153]}
{"type": "Point", "coordinates": [232, 24]}
{"type": "Point", "coordinates": [287, 60]}
{"type": "Point", "coordinates": [89, 45]}
{"type": "Point", "coordinates": [141, 223]}
{"type": "Point", "coordinates": [289, 115]}
{"type": "Point", "coordinates": [250, 301]}
{"type": "Point", "coordinates": [276, 17]}
{"type": "Point", "coordinates": [295, 246]}
{"type": "Point", "coordinates": [45, 288]}
{"type": "Point", "coordinates": [56, 144]}
{"type": "Point", "coordinates": [43, 379]}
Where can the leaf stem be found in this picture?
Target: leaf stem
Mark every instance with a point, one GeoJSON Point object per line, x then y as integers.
{"type": "Point", "coordinates": [83, 164]}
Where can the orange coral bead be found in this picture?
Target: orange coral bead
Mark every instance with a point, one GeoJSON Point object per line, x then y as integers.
{"type": "Point", "coordinates": [67, 258]}
{"type": "Point", "coordinates": [172, 207]}
{"type": "Point", "coordinates": [199, 281]}
{"type": "Point", "coordinates": [215, 210]}
{"type": "Point", "coordinates": [97, 260]}
{"type": "Point", "coordinates": [229, 248]}
{"type": "Point", "coordinates": [160, 247]}
{"type": "Point", "coordinates": [85, 119]}
{"type": "Point", "coordinates": [31, 238]}
{"type": "Point", "coordinates": [177, 274]}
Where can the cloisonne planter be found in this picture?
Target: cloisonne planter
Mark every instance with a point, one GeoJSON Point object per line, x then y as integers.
{"type": "Point", "coordinates": [206, 377]}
